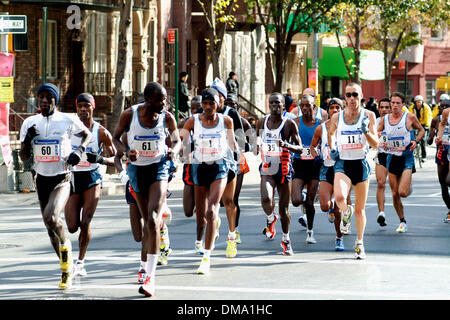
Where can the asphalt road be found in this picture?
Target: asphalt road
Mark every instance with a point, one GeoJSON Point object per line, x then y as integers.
{"type": "Point", "coordinates": [409, 266]}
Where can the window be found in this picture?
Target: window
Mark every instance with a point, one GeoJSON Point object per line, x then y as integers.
{"type": "Point", "coordinates": [431, 91]}
{"type": "Point", "coordinates": [437, 34]}
{"type": "Point", "coordinates": [409, 87]}
{"type": "Point", "coordinates": [96, 43]}
{"type": "Point", "coordinates": [51, 61]}
{"type": "Point", "coordinates": [151, 47]}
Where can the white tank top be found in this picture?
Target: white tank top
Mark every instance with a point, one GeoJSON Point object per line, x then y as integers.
{"type": "Point", "coordinates": [325, 148]}
{"type": "Point", "coordinates": [210, 144]}
{"type": "Point", "coordinates": [52, 146]}
{"type": "Point", "coordinates": [93, 147]}
{"type": "Point", "coordinates": [398, 135]}
{"type": "Point", "coordinates": [149, 142]}
{"type": "Point", "coordinates": [271, 152]}
{"type": "Point", "coordinates": [382, 146]}
{"type": "Point", "coordinates": [351, 141]}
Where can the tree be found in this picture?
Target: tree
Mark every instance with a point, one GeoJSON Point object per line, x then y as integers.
{"type": "Point", "coordinates": [395, 30]}
{"type": "Point", "coordinates": [218, 15]}
{"type": "Point", "coordinates": [122, 57]}
{"type": "Point", "coordinates": [285, 19]}
{"type": "Point", "coordinates": [352, 18]}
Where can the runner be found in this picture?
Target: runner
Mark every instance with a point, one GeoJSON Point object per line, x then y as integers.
{"type": "Point", "coordinates": [273, 133]}
{"type": "Point", "coordinates": [229, 192]}
{"type": "Point", "coordinates": [242, 165]}
{"type": "Point", "coordinates": [442, 156]}
{"type": "Point", "coordinates": [320, 114]}
{"type": "Point", "coordinates": [327, 203]}
{"type": "Point", "coordinates": [47, 135]}
{"type": "Point", "coordinates": [214, 143]}
{"type": "Point", "coordinates": [355, 129]}
{"type": "Point", "coordinates": [188, 190]}
{"type": "Point", "coordinates": [148, 168]}
{"type": "Point", "coordinates": [384, 108]}
{"type": "Point", "coordinates": [306, 168]}
{"type": "Point", "coordinates": [86, 178]}
{"type": "Point", "coordinates": [399, 127]}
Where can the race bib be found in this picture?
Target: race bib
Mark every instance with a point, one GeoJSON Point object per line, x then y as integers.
{"type": "Point", "coordinates": [270, 148]}
{"type": "Point", "coordinates": [209, 144]}
{"type": "Point", "coordinates": [147, 146]}
{"type": "Point", "coordinates": [306, 153]}
{"type": "Point", "coordinates": [47, 150]}
{"type": "Point", "coordinates": [397, 144]}
{"type": "Point", "coordinates": [351, 140]}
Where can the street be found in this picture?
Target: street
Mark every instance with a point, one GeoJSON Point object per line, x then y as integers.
{"type": "Point", "coordinates": [406, 266]}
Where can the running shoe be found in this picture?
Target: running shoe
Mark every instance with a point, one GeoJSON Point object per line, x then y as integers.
{"type": "Point", "coordinates": [204, 267]}
{"type": "Point", "coordinates": [218, 223]}
{"type": "Point", "coordinates": [360, 253]}
{"type": "Point", "coordinates": [347, 215]}
{"type": "Point", "coordinates": [238, 237]}
{"type": "Point", "coordinates": [199, 248]}
{"type": "Point", "coordinates": [381, 219]}
{"type": "Point", "coordinates": [148, 287]}
{"type": "Point", "coordinates": [310, 237]}
{"type": "Point", "coordinates": [339, 244]}
{"type": "Point", "coordinates": [66, 280]}
{"type": "Point", "coordinates": [80, 270]}
{"type": "Point", "coordinates": [331, 216]}
{"type": "Point", "coordinates": [287, 248]}
{"type": "Point", "coordinates": [65, 256]}
{"type": "Point", "coordinates": [345, 229]}
{"type": "Point", "coordinates": [447, 218]}
{"type": "Point", "coordinates": [303, 220]}
{"type": "Point", "coordinates": [142, 275]}
{"type": "Point", "coordinates": [402, 227]}
{"type": "Point", "coordinates": [167, 215]}
{"type": "Point", "coordinates": [270, 230]}
{"type": "Point", "coordinates": [164, 237]}
{"type": "Point", "coordinates": [231, 250]}
{"type": "Point", "coordinates": [162, 257]}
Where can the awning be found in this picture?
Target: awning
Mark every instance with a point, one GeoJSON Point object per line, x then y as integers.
{"type": "Point", "coordinates": [332, 64]}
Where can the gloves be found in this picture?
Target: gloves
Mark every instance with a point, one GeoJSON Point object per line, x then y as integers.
{"type": "Point", "coordinates": [124, 177]}
{"type": "Point", "coordinates": [31, 133]}
{"type": "Point", "coordinates": [365, 124]}
{"type": "Point", "coordinates": [75, 157]}
{"type": "Point", "coordinates": [94, 158]}
{"type": "Point", "coordinates": [334, 154]}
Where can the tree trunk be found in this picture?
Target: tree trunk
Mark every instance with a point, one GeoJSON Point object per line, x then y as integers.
{"type": "Point", "coordinates": [122, 58]}
{"type": "Point", "coordinates": [387, 70]}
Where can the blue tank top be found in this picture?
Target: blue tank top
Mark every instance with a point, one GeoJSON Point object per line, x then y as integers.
{"type": "Point", "coordinates": [306, 134]}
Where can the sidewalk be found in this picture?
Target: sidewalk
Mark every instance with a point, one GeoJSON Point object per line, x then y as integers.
{"type": "Point", "coordinates": [113, 186]}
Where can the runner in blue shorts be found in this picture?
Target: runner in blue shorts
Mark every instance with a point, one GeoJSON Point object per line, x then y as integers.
{"type": "Point", "coordinates": [399, 127]}
{"type": "Point", "coordinates": [277, 137]}
{"type": "Point", "coordinates": [355, 132]}
{"type": "Point", "coordinates": [148, 170]}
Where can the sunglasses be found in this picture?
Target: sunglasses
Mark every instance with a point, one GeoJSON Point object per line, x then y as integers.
{"type": "Point", "coordinates": [352, 94]}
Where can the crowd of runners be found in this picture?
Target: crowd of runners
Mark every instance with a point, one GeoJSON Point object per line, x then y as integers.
{"type": "Point", "coordinates": [309, 154]}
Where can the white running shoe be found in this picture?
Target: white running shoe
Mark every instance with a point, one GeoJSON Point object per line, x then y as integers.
{"type": "Point", "coordinates": [310, 237]}
{"type": "Point", "coordinates": [148, 288]}
{"type": "Point", "coordinates": [360, 253]}
{"type": "Point", "coordinates": [204, 267]}
{"type": "Point", "coordinates": [345, 229]}
{"type": "Point", "coordinates": [347, 215]}
{"type": "Point", "coordinates": [402, 228]}
{"type": "Point", "coordinates": [303, 220]}
{"type": "Point", "coordinates": [381, 219]}
{"type": "Point", "coordinates": [80, 270]}
{"type": "Point", "coordinates": [199, 248]}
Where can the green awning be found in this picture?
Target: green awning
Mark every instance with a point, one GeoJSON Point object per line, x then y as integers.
{"type": "Point", "coordinates": [332, 64]}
